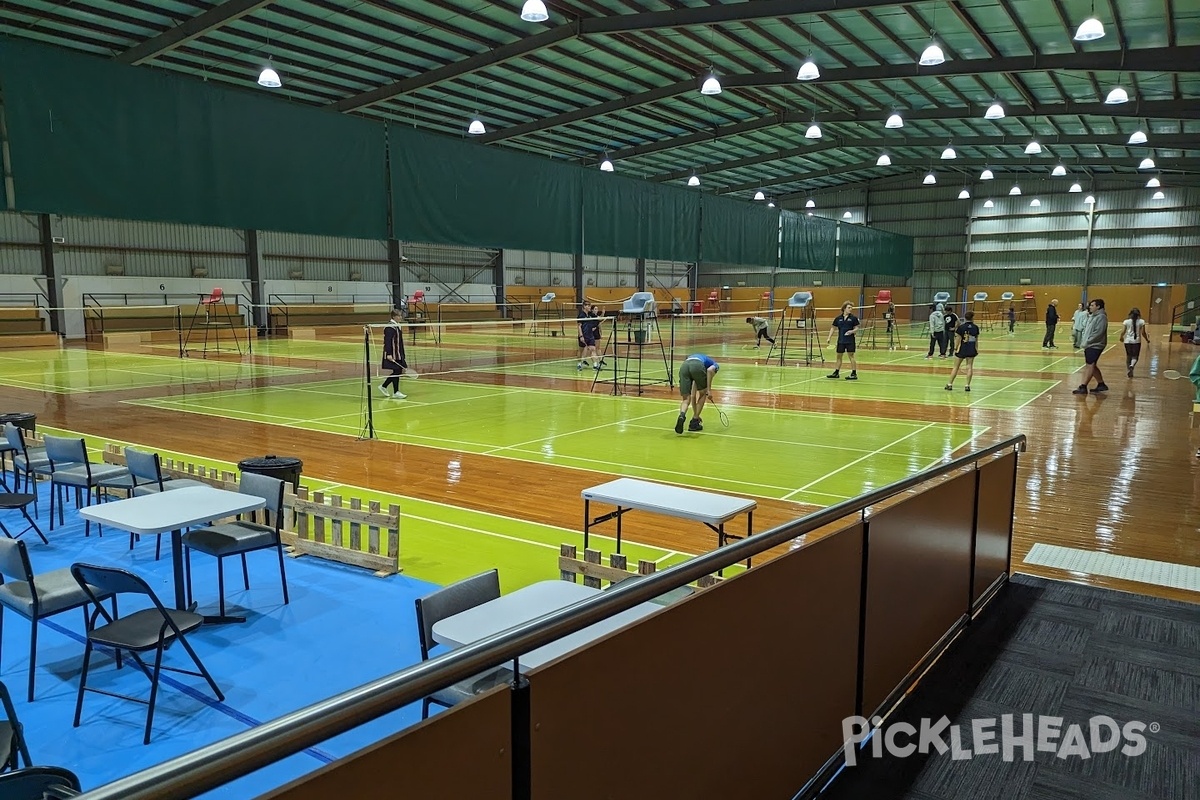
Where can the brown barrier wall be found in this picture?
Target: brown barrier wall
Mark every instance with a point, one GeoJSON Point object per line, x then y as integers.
{"type": "Point", "coordinates": [993, 522]}
{"type": "Point", "coordinates": [462, 752]}
{"type": "Point", "coordinates": [918, 581]}
{"type": "Point", "coordinates": [737, 691]}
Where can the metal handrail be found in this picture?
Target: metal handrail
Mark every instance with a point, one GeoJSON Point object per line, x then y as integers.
{"type": "Point", "coordinates": [213, 765]}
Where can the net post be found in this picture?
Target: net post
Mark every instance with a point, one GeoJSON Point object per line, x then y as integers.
{"type": "Point", "coordinates": [367, 381]}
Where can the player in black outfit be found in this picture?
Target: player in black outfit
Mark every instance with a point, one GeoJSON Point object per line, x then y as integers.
{"type": "Point", "coordinates": [968, 348]}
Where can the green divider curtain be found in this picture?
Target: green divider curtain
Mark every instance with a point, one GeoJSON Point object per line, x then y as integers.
{"type": "Point", "coordinates": [638, 219]}
{"type": "Point", "coordinates": [870, 250]}
{"type": "Point", "coordinates": [459, 192]}
{"type": "Point", "coordinates": [94, 138]}
{"type": "Point", "coordinates": [738, 232]}
{"type": "Point", "coordinates": [807, 242]}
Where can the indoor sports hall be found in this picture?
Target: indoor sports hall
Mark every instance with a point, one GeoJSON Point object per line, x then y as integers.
{"type": "Point", "coordinates": [343, 350]}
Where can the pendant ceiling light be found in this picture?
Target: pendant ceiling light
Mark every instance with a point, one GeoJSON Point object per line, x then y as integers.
{"type": "Point", "coordinates": [1091, 201]}
{"type": "Point", "coordinates": [988, 204]}
{"type": "Point", "coordinates": [711, 85]}
{"type": "Point", "coordinates": [932, 55]}
{"type": "Point", "coordinates": [848, 215]}
{"type": "Point", "coordinates": [811, 203]}
{"type": "Point", "coordinates": [1035, 203]}
{"type": "Point", "coordinates": [949, 153]}
{"type": "Point", "coordinates": [534, 11]}
{"type": "Point", "coordinates": [813, 132]}
{"type": "Point", "coordinates": [1058, 171]}
{"type": "Point", "coordinates": [269, 78]}
{"type": "Point", "coordinates": [1090, 29]}
{"type": "Point", "coordinates": [1117, 96]}
{"type": "Point", "coordinates": [476, 128]}
{"type": "Point", "coordinates": [1153, 183]}
{"type": "Point", "coordinates": [995, 111]}
{"type": "Point", "coordinates": [1033, 148]}
{"type": "Point", "coordinates": [894, 121]}
{"type": "Point", "coordinates": [759, 195]}
{"type": "Point", "coordinates": [808, 71]}
{"type": "Point", "coordinates": [1015, 190]}
{"type": "Point", "coordinates": [771, 204]}
{"type": "Point", "coordinates": [884, 160]}
{"type": "Point", "coordinates": [986, 175]}
{"type": "Point", "coordinates": [930, 179]}
{"type": "Point", "coordinates": [1147, 163]}
{"type": "Point", "coordinates": [1137, 137]}
{"type": "Point", "coordinates": [606, 165]}
{"type": "Point", "coordinates": [694, 180]}
{"type": "Point", "coordinates": [1075, 187]}
{"type": "Point", "coordinates": [964, 194]}
{"type": "Point", "coordinates": [1158, 196]}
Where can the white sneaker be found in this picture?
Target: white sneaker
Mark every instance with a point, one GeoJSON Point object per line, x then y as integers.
{"type": "Point", "coordinates": [383, 390]}
{"type": "Point", "coordinates": [399, 396]}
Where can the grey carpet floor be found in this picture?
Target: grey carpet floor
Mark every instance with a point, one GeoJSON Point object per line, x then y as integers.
{"type": "Point", "coordinates": [1057, 649]}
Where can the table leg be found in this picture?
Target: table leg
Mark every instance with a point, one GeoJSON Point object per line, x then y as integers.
{"type": "Point", "coordinates": [177, 563]}
{"type": "Point", "coordinates": [620, 513]}
{"type": "Point", "coordinates": [749, 530]}
{"type": "Point", "coordinates": [587, 521]}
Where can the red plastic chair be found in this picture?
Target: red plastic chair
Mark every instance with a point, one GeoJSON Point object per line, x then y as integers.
{"type": "Point", "coordinates": [883, 297]}
{"type": "Point", "coordinates": [418, 296]}
{"type": "Point", "coordinates": [217, 296]}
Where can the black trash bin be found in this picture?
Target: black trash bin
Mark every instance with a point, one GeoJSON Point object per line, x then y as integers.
{"type": "Point", "coordinates": [21, 419]}
{"type": "Point", "coordinates": [286, 468]}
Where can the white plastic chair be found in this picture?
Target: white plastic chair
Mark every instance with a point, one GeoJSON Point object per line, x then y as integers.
{"type": "Point", "coordinates": [639, 303]}
{"type": "Point", "coordinates": [800, 299]}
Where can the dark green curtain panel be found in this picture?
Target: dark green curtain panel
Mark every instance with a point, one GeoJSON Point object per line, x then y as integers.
{"type": "Point", "coordinates": [870, 250]}
{"type": "Point", "coordinates": [458, 192]}
{"type": "Point", "coordinates": [738, 232]}
{"type": "Point", "coordinates": [637, 219]}
{"type": "Point", "coordinates": [808, 242]}
{"type": "Point", "coordinates": [93, 138]}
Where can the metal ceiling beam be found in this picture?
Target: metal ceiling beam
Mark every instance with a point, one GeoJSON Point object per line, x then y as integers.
{"type": "Point", "coordinates": [1158, 59]}
{"type": "Point", "coordinates": [1182, 141]}
{"type": "Point", "coordinates": [191, 29]}
{"type": "Point", "coordinates": [1154, 109]}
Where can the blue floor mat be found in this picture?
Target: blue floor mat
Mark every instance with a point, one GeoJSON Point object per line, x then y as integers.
{"type": "Point", "coordinates": [343, 627]}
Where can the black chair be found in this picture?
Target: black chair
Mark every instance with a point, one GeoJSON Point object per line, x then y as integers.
{"type": "Point", "coordinates": [71, 467]}
{"type": "Point", "coordinates": [145, 477]}
{"type": "Point", "coordinates": [150, 629]}
{"type": "Point", "coordinates": [10, 501]}
{"type": "Point", "coordinates": [27, 461]}
{"type": "Point", "coordinates": [241, 537]}
{"type": "Point", "coordinates": [39, 783]}
{"type": "Point", "coordinates": [446, 602]}
{"type": "Point", "coordinates": [13, 749]}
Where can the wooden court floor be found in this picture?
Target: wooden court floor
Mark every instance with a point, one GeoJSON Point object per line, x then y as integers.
{"type": "Point", "coordinates": [1114, 473]}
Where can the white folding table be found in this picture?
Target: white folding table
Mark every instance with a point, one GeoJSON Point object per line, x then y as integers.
{"type": "Point", "coordinates": [172, 511]}
{"type": "Point", "coordinates": [629, 494]}
{"type": "Point", "coordinates": [530, 603]}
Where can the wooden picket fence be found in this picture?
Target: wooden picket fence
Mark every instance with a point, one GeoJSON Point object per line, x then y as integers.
{"type": "Point", "coordinates": [595, 572]}
{"type": "Point", "coordinates": [315, 523]}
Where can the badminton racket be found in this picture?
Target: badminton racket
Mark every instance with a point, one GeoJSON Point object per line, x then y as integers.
{"type": "Point", "coordinates": [720, 413]}
{"type": "Point", "coordinates": [1171, 374]}
{"type": "Point", "coordinates": [409, 372]}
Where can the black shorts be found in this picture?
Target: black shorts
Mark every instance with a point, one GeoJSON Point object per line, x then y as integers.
{"type": "Point", "coordinates": [967, 351]}
{"type": "Point", "coordinates": [1092, 354]}
{"type": "Point", "coordinates": [845, 347]}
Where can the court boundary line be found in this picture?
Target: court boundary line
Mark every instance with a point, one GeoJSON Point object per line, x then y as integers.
{"type": "Point", "coordinates": [922, 429]}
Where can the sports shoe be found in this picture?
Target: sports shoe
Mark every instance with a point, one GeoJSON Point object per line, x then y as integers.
{"type": "Point", "coordinates": [949, 388]}
{"type": "Point", "coordinates": [1129, 372]}
{"type": "Point", "coordinates": [1080, 390]}
{"type": "Point", "coordinates": [383, 391]}
{"type": "Point", "coordinates": [928, 357]}
{"type": "Point", "coordinates": [834, 374]}
{"type": "Point", "coordinates": [579, 367]}
{"type": "Point", "coordinates": [596, 367]}
{"type": "Point", "coordinates": [1100, 387]}
{"type": "Point", "coordinates": [399, 396]}
{"type": "Point", "coordinates": [967, 389]}
{"type": "Point", "coordinates": [853, 376]}
{"type": "Point", "coordinates": [695, 425]}
{"type": "Point", "coordinates": [679, 423]}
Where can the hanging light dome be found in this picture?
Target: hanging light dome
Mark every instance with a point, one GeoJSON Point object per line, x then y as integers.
{"type": "Point", "coordinates": [1075, 187]}
{"type": "Point", "coordinates": [1091, 201]}
{"type": "Point", "coordinates": [1015, 190]}
{"type": "Point", "coordinates": [534, 11]}
{"type": "Point", "coordinates": [1137, 137]}
{"type": "Point", "coordinates": [1090, 30]}
{"type": "Point", "coordinates": [476, 128]}
{"type": "Point", "coordinates": [694, 180]}
{"type": "Point", "coordinates": [1117, 96]}
{"type": "Point", "coordinates": [988, 204]}
{"type": "Point", "coordinates": [1147, 163]}
{"type": "Point", "coordinates": [932, 55]}
{"type": "Point", "coordinates": [995, 111]}
{"type": "Point", "coordinates": [269, 78]}
{"type": "Point", "coordinates": [808, 71]}
{"type": "Point", "coordinates": [949, 153]}
{"type": "Point", "coordinates": [1158, 196]}
{"type": "Point", "coordinates": [894, 121]}
{"type": "Point", "coordinates": [848, 215]}
{"type": "Point", "coordinates": [811, 203]}
{"type": "Point", "coordinates": [1033, 148]}
{"type": "Point", "coordinates": [759, 195]}
{"type": "Point", "coordinates": [964, 194]}
{"type": "Point", "coordinates": [771, 204]}
{"type": "Point", "coordinates": [1035, 203]}
{"type": "Point", "coordinates": [813, 132]}
{"type": "Point", "coordinates": [930, 179]}
{"type": "Point", "coordinates": [986, 175]}
{"type": "Point", "coordinates": [606, 165]}
{"type": "Point", "coordinates": [1058, 171]}
{"type": "Point", "coordinates": [1153, 183]}
{"type": "Point", "coordinates": [884, 160]}
{"type": "Point", "coordinates": [711, 84]}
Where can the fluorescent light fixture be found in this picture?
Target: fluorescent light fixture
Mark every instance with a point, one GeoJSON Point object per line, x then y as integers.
{"type": "Point", "coordinates": [759, 195]}
{"type": "Point", "coordinates": [1035, 203]}
{"type": "Point", "coordinates": [986, 175]}
{"type": "Point", "coordinates": [1137, 137]}
{"type": "Point", "coordinates": [995, 111]}
{"type": "Point", "coordinates": [988, 204]}
{"type": "Point", "coordinates": [1117, 96]}
{"type": "Point", "coordinates": [1058, 171]}
{"type": "Point", "coordinates": [711, 84]}
{"type": "Point", "coordinates": [1075, 187]}
{"type": "Point", "coordinates": [1090, 30]}
{"type": "Point", "coordinates": [606, 165]}
{"type": "Point", "coordinates": [476, 128]}
{"type": "Point", "coordinates": [810, 213]}
{"type": "Point", "coordinates": [964, 194]}
{"type": "Point", "coordinates": [1091, 201]}
{"type": "Point", "coordinates": [1158, 196]}
{"type": "Point", "coordinates": [1015, 190]}
{"type": "Point", "coordinates": [771, 204]}
{"type": "Point", "coordinates": [808, 71]}
{"type": "Point", "coordinates": [811, 203]}
{"type": "Point", "coordinates": [894, 121]}
{"type": "Point", "coordinates": [930, 179]}
{"type": "Point", "coordinates": [1147, 163]}
{"type": "Point", "coordinates": [848, 215]}
{"type": "Point", "coordinates": [949, 153]}
{"type": "Point", "coordinates": [534, 11]}
{"type": "Point", "coordinates": [269, 78]}
{"type": "Point", "coordinates": [932, 55]}
{"type": "Point", "coordinates": [813, 132]}
{"type": "Point", "coordinates": [694, 180]}
{"type": "Point", "coordinates": [1153, 183]}
{"type": "Point", "coordinates": [884, 160]}
{"type": "Point", "coordinates": [1033, 148]}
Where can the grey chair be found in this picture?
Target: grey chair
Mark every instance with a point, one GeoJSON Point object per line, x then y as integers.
{"type": "Point", "coordinates": [241, 537]}
{"type": "Point", "coordinates": [145, 476]}
{"type": "Point", "coordinates": [27, 461]}
{"type": "Point", "coordinates": [69, 466]}
{"type": "Point", "coordinates": [13, 749]}
{"type": "Point", "coordinates": [446, 602]}
{"type": "Point", "coordinates": [151, 629]}
{"type": "Point", "coordinates": [35, 597]}
{"type": "Point", "coordinates": [39, 783]}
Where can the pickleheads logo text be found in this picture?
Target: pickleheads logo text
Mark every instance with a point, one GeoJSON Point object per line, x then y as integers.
{"type": "Point", "coordinates": [1005, 737]}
